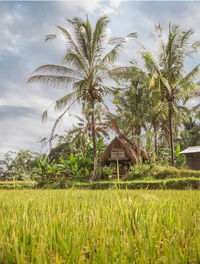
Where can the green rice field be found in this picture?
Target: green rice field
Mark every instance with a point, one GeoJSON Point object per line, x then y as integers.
{"type": "Point", "coordinates": [110, 226]}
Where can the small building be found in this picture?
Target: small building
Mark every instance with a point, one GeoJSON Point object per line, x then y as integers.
{"type": "Point", "coordinates": [192, 155]}
{"type": "Point", "coordinates": [126, 151]}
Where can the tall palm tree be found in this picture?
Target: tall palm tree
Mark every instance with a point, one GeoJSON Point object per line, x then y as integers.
{"type": "Point", "coordinates": [132, 103]}
{"type": "Point", "coordinates": [175, 84]}
{"type": "Point", "coordinates": [90, 53]}
{"type": "Point", "coordinates": [156, 116]}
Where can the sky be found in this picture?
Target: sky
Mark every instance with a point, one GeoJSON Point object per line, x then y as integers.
{"type": "Point", "coordinates": [23, 26]}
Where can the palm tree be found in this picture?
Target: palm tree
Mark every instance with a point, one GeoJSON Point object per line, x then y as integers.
{"type": "Point", "coordinates": [88, 64]}
{"type": "Point", "coordinates": [156, 116]}
{"type": "Point", "coordinates": [175, 85]}
{"type": "Point", "coordinates": [132, 108]}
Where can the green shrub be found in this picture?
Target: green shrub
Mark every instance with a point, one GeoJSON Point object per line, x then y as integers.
{"type": "Point", "coordinates": [154, 171]}
{"type": "Point", "coordinates": [10, 185]}
{"type": "Point", "coordinates": [62, 183]}
{"type": "Point", "coordinates": [179, 184]}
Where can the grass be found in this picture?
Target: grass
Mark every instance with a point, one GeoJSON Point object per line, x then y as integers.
{"type": "Point", "coordinates": [189, 183]}
{"type": "Point", "coordinates": [153, 171]}
{"type": "Point", "coordinates": [17, 184]}
{"type": "Point", "coordinates": [170, 184]}
{"type": "Point", "coordinates": [111, 226]}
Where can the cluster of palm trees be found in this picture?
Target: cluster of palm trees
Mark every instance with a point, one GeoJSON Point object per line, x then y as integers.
{"type": "Point", "coordinates": [151, 98]}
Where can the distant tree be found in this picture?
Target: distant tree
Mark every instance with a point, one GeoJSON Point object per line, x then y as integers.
{"type": "Point", "coordinates": [19, 164]}
{"type": "Point", "coordinates": [62, 150]}
{"type": "Point", "coordinates": [194, 135]}
{"type": "Point", "coordinates": [190, 133]}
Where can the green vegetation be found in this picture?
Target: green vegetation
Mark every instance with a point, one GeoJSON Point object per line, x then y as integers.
{"type": "Point", "coordinates": [170, 184]}
{"type": "Point", "coordinates": [9, 185]}
{"type": "Point", "coordinates": [153, 171]}
{"type": "Point", "coordinates": [99, 226]}
{"type": "Point", "coordinates": [116, 225]}
{"type": "Point", "coordinates": [150, 102]}
{"type": "Point", "coordinates": [183, 183]}
{"type": "Point", "coordinates": [149, 107]}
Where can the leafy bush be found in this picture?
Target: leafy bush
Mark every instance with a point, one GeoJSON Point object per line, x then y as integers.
{"type": "Point", "coordinates": [179, 159]}
{"type": "Point", "coordinates": [153, 171]}
{"type": "Point", "coordinates": [77, 167]}
{"type": "Point", "coordinates": [178, 184]}
{"type": "Point", "coordinates": [105, 173]}
{"type": "Point", "coordinates": [46, 172]}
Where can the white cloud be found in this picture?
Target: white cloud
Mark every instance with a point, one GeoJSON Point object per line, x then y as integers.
{"type": "Point", "coordinates": [9, 40]}
{"type": "Point", "coordinates": [88, 5]}
{"type": "Point", "coordinates": [108, 11]}
{"type": "Point", "coordinates": [115, 3]}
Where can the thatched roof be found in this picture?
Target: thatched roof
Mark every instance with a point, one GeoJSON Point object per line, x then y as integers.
{"type": "Point", "coordinates": [132, 150]}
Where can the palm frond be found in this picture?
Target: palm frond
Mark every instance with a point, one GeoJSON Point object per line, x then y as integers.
{"type": "Point", "coordinates": [194, 48]}
{"type": "Point", "coordinates": [185, 36]}
{"type": "Point", "coordinates": [166, 85]}
{"type": "Point", "coordinates": [49, 37]}
{"type": "Point", "coordinates": [159, 30]}
{"type": "Point", "coordinates": [75, 60]}
{"type": "Point", "coordinates": [132, 35]}
{"type": "Point", "coordinates": [190, 77]}
{"type": "Point", "coordinates": [70, 41]}
{"type": "Point", "coordinates": [81, 31]}
{"type": "Point", "coordinates": [111, 56]}
{"type": "Point", "coordinates": [153, 80]}
{"type": "Point", "coordinates": [58, 120]}
{"type": "Point", "coordinates": [150, 64]}
{"type": "Point", "coordinates": [56, 69]}
{"type": "Point", "coordinates": [44, 116]}
{"type": "Point", "coordinates": [78, 85]}
{"type": "Point", "coordinates": [79, 118]}
{"type": "Point", "coordinates": [99, 35]}
{"type": "Point", "coordinates": [62, 102]}
{"type": "Point", "coordinates": [127, 73]}
{"type": "Point", "coordinates": [53, 80]}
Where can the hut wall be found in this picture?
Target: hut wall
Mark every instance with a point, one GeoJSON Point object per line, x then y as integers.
{"type": "Point", "coordinates": [193, 161]}
{"type": "Point", "coordinates": [123, 168]}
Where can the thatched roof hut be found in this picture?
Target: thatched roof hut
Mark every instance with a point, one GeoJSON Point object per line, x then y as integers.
{"type": "Point", "coordinates": [125, 151]}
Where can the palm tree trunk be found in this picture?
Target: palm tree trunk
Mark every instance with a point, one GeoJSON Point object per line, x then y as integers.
{"type": "Point", "coordinates": [155, 140]}
{"type": "Point", "coordinates": [132, 132]}
{"type": "Point", "coordinates": [95, 172]}
{"type": "Point", "coordinates": [171, 134]}
{"type": "Point", "coordinates": [138, 133]}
